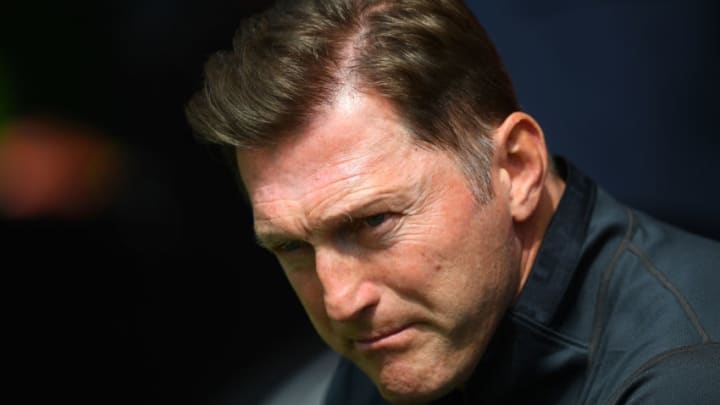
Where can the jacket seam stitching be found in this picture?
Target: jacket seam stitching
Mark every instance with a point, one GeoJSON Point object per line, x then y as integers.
{"type": "Point", "coordinates": [598, 320]}
{"type": "Point", "coordinates": [652, 269]}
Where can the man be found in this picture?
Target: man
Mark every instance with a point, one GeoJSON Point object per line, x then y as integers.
{"type": "Point", "coordinates": [431, 239]}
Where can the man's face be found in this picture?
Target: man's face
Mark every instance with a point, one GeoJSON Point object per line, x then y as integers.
{"type": "Point", "coordinates": [397, 266]}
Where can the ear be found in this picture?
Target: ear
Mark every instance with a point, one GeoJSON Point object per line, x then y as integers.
{"type": "Point", "coordinates": [522, 157]}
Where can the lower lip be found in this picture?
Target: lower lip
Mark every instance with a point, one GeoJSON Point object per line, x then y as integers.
{"type": "Point", "coordinates": [395, 340]}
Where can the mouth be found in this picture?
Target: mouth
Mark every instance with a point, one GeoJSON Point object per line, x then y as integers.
{"type": "Point", "coordinates": [392, 339]}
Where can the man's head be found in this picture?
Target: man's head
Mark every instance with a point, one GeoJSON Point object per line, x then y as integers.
{"type": "Point", "coordinates": [430, 59]}
{"type": "Point", "coordinates": [392, 176]}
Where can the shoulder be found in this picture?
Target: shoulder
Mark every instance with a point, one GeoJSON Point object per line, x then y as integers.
{"type": "Point", "coordinates": [683, 266]}
{"type": "Point", "coordinates": [308, 385]}
{"type": "Point", "coordinates": [350, 386]}
{"type": "Point", "coordinates": [660, 271]}
{"type": "Point", "coordinates": [326, 379]}
{"type": "Point", "coordinates": [655, 298]}
{"type": "Point", "coordinates": [686, 375]}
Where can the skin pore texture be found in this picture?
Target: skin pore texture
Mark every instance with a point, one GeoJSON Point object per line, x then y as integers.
{"type": "Point", "coordinates": [397, 265]}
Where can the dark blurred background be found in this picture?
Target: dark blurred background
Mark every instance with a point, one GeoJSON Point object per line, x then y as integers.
{"type": "Point", "coordinates": [127, 252]}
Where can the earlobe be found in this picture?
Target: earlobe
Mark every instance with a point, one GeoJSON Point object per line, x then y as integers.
{"type": "Point", "coordinates": [523, 157]}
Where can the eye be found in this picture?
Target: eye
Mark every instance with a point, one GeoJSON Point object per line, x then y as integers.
{"type": "Point", "coordinates": [376, 229]}
{"type": "Point", "coordinates": [375, 220]}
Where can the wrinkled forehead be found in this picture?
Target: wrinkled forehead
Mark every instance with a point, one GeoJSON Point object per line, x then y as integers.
{"type": "Point", "coordinates": [359, 135]}
{"type": "Point", "coordinates": [269, 175]}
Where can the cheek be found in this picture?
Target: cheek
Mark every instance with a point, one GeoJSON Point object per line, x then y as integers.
{"type": "Point", "coordinates": [462, 252]}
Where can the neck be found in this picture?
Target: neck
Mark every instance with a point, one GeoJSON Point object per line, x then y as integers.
{"type": "Point", "coordinates": [532, 231]}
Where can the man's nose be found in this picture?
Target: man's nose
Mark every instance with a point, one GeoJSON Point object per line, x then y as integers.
{"type": "Point", "coordinates": [348, 289]}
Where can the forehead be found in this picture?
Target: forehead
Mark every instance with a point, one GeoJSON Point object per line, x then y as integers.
{"type": "Point", "coordinates": [348, 145]}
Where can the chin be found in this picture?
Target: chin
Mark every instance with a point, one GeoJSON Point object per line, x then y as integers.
{"type": "Point", "coordinates": [408, 384]}
{"type": "Point", "coordinates": [410, 392]}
